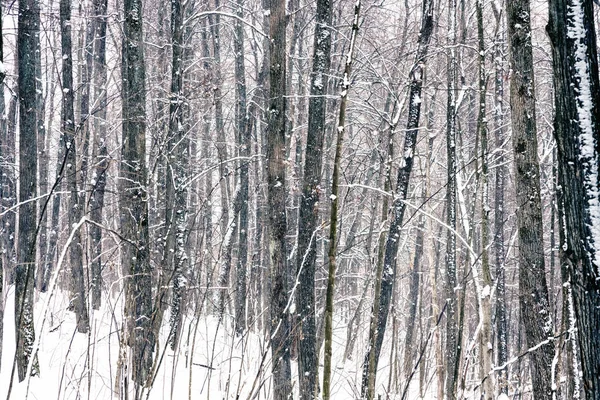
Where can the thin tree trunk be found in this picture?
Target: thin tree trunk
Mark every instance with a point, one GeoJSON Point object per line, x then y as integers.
{"type": "Point", "coordinates": [533, 290]}
{"type": "Point", "coordinates": [4, 171]}
{"type": "Point", "coordinates": [78, 299]}
{"type": "Point", "coordinates": [334, 208]}
{"type": "Point", "coordinates": [381, 306]}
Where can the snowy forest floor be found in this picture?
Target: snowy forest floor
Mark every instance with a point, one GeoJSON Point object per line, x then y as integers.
{"type": "Point", "coordinates": [240, 365]}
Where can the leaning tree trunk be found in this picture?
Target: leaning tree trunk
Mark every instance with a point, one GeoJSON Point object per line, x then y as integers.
{"type": "Point", "coordinates": [78, 292]}
{"type": "Point", "coordinates": [309, 213]}
{"type": "Point", "coordinates": [276, 166]}
{"type": "Point", "coordinates": [576, 129]}
{"type": "Point", "coordinates": [382, 305]}
{"type": "Point", "coordinates": [334, 208]}
{"type": "Point", "coordinates": [27, 39]}
{"type": "Point", "coordinates": [133, 192]}
{"type": "Point", "coordinates": [533, 291]}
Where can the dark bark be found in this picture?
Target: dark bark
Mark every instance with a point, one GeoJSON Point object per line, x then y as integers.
{"type": "Point", "coordinates": [382, 305]}
{"type": "Point", "coordinates": [576, 129]}
{"type": "Point", "coordinates": [276, 196]}
{"type": "Point", "coordinates": [133, 197]}
{"type": "Point", "coordinates": [533, 290]}
{"type": "Point", "coordinates": [27, 44]}
{"type": "Point", "coordinates": [309, 211]}
{"type": "Point", "coordinates": [4, 171]}
{"type": "Point", "coordinates": [78, 292]}
{"type": "Point", "coordinates": [244, 132]}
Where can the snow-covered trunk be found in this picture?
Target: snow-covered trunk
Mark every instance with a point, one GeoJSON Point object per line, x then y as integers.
{"type": "Point", "coordinates": [533, 291]}
{"type": "Point", "coordinates": [499, 214]}
{"type": "Point", "coordinates": [576, 129]}
{"type": "Point", "coordinates": [382, 304]}
{"type": "Point", "coordinates": [452, 336]}
{"type": "Point", "coordinates": [78, 292]}
{"type": "Point", "coordinates": [27, 38]}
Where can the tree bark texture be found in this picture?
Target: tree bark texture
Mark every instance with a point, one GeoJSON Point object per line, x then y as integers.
{"type": "Point", "coordinates": [533, 290]}
{"type": "Point", "coordinates": [133, 197]}
{"type": "Point", "coordinates": [309, 211]}
{"type": "Point", "coordinates": [576, 129]}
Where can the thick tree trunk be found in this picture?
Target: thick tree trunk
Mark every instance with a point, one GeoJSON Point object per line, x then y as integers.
{"type": "Point", "coordinates": [382, 305]}
{"type": "Point", "coordinates": [533, 290]}
{"type": "Point", "coordinates": [4, 234]}
{"type": "Point", "coordinates": [309, 212]}
{"type": "Point", "coordinates": [78, 292]}
{"type": "Point", "coordinates": [27, 44]}
{"type": "Point", "coordinates": [576, 129]}
{"type": "Point", "coordinates": [276, 166]}
{"type": "Point", "coordinates": [133, 198]}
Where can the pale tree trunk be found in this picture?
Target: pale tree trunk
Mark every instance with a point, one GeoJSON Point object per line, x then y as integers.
{"type": "Point", "coordinates": [27, 44]}
{"type": "Point", "coordinates": [244, 133]}
{"type": "Point", "coordinates": [485, 335]}
{"type": "Point", "coordinates": [78, 292]}
{"type": "Point", "coordinates": [533, 291]}
{"type": "Point", "coordinates": [334, 208]}
{"type": "Point", "coordinates": [453, 348]}
{"type": "Point", "coordinates": [576, 129]}
{"type": "Point", "coordinates": [276, 166]}
{"type": "Point", "coordinates": [382, 302]}
{"type": "Point", "coordinates": [309, 212]}
{"type": "Point", "coordinates": [100, 151]}
{"type": "Point", "coordinates": [133, 204]}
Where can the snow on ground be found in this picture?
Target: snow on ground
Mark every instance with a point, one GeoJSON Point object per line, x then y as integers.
{"type": "Point", "coordinates": [241, 365]}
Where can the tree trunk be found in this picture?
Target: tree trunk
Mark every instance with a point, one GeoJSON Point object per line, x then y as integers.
{"type": "Point", "coordinates": [4, 234]}
{"type": "Point", "coordinates": [133, 198]}
{"type": "Point", "coordinates": [27, 44]}
{"type": "Point", "coordinates": [78, 292]}
{"type": "Point", "coordinates": [533, 290]}
{"type": "Point", "coordinates": [276, 166]}
{"type": "Point", "coordinates": [576, 129]}
{"type": "Point", "coordinates": [309, 212]}
{"type": "Point", "coordinates": [381, 306]}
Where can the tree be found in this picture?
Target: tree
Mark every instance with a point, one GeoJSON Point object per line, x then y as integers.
{"type": "Point", "coordinates": [387, 270]}
{"type": "Point", "coordinates": [133, 197]}
{"type": "Point", "coordinates": [78, 291]}
{"type": "Point", "coordinates": [533, 290]}
{"type": "Point", "coordinates": [576, 130]}
{"type": "Point", "coordinates": [27, 38]}
{"type": "Point", "coordinates": [276, 194]}
{"type": "Point", "coordinates": [308, 216]}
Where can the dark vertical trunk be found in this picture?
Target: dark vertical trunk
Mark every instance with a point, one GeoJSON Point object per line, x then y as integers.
{"type": "Point", "coordinates": [27, 44]}
{"type": "Point", "coordinates": [4, 234]}
{"type": "Point", "coordinates": [576, 129]}
{"type": "Point", "coordinates": [177, 170]}
{"type": "Point", "coordinates": [382, 304]}
{"type": "Point", "coordinates": [276, 166]}
{"type": "Point", "coordinates": [244, 132]}
{"type": "Point", "coordinates": [100, 150]}
{"type": "Point", "coordinates": [78, 298]}
{"type": "Point", "coordinates": [533, 290]}
{"type": "Point", "coordinates": [309, 212]}
{"type": "Point", "coordinates": [133, 197]}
